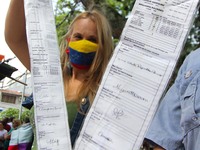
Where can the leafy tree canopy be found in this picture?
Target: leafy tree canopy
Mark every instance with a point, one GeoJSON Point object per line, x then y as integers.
{"type": "Point", "coordinates": [14, 112]}
{"type": "Point", "coordinates": [10, 112]}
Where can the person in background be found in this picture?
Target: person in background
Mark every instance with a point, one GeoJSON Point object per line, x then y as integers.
{"type": "Point", "coordinates": [5, 124]}
{"type": "Point", "coordinates": [10, 121]}
{"type": "Point", "coordinates": [86, 50]}
{"type": "Point", "coordinates": [2, 134]}
{"type": "Point", "coordinates": [176, 125]}
{"type": "Point", "coordinates": [22, 137]}
{"type": "Point", "coordinates": [15, 124]}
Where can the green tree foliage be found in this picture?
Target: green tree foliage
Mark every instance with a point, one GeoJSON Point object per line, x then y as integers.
{"type": "Point", "coordinates": [10, 112]}
{"type": "Point", "coordinates": [25, 114]}
{"type": "Point", "coordinates": [193, 40]}
{"type": "Point", "coordinates": [14, 112]}
{"type": "Point", "coordinates": [65, 11]}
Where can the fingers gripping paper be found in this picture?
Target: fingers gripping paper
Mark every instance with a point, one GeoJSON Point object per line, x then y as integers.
{"type": "Point", "coordinates": [137, 75]}
{"type": "Point", "coordinates": [49, 103]}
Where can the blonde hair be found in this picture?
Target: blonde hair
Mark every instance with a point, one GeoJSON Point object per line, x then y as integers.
{"type": "Point", "coordinates": [102, 57]}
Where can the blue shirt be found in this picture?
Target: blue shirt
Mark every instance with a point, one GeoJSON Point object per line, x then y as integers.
{"type": "Point", "coordinates": [176, 125]}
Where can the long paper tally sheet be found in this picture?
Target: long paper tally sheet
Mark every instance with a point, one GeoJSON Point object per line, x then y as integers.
{"type": "Point", "coordinates": [137, 75]}
{"type": "Point", "coordinates": [51, 119]}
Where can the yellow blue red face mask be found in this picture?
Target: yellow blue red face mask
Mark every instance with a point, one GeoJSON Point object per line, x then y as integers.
{"type": "Point", "coordinates": [82, 53]}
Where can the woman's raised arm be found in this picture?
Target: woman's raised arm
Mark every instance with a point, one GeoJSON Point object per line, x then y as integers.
{"type": "Point", "coordinates": [15, 31]}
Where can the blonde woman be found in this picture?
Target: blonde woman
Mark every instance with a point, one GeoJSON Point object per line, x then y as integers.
{"type": "Point", "coordinates": [85, 52]}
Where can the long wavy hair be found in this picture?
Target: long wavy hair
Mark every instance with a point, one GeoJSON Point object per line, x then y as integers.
{"type": "Point", "coordinates": [102, 56]}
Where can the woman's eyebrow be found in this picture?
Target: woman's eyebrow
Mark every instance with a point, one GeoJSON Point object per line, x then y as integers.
{"type": "Point", "coordinates": [77, 33]}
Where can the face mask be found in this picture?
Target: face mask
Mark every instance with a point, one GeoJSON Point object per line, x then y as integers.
{"type": "Point", "coordinates": [81, 53]}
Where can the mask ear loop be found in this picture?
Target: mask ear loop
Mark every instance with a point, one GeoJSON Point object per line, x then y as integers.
{"type": "Point", "coordinates": [67, 49]}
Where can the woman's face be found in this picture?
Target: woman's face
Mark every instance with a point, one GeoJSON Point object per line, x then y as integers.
{"type": "Point", "coordinates": [84, 29]}
{"type": "Point", "coordinates": [15, 124]}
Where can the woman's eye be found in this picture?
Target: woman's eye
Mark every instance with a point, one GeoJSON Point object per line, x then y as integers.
{"type": "Point", "coordinates": [77, 37]}
{"type": "Point", "coordinates": [94, 40]}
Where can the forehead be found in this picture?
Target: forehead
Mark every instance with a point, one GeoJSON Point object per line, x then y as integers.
{"type": "Point", "coordinates": [85, 26]}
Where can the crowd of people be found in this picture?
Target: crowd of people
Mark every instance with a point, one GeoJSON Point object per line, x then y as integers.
{"type": "Point", "coordinates": [3, 133]}
{"type": "Point", "coordinates": [7, 125]}
{"type": "Point", "coordinates": [14, 133]}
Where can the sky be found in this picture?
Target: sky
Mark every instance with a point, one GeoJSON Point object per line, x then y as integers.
{"type": "Point", "coordinates": [4, 49]}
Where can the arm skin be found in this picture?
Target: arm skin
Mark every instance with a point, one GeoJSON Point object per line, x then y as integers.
{"type": "Point", "coordinates": [15, 32]}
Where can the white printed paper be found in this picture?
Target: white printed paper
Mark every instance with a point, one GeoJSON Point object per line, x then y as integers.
{"type": "Point", "coordinates": [137, 75]}
{"type": "Point", "coordinates": [51, 119]}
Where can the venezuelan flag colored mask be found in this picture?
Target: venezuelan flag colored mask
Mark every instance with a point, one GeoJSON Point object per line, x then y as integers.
{"type": "Point", "coordinates": [81, 53]}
